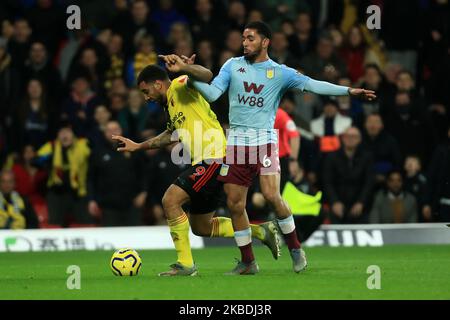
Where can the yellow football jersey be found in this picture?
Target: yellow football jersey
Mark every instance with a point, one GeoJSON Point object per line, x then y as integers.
{"type": "Point", "coordinates": [196, 125]}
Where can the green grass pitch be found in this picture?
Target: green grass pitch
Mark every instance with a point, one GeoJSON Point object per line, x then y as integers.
{"type": "Point", "coordinates": [407, 272]}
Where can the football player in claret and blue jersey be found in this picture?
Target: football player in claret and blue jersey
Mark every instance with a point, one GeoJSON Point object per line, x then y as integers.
{"type": "Point", "coordinates": [255, 85]}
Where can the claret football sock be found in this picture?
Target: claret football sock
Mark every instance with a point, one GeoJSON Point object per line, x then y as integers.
{"type": "Point", "coordinates": [244, 241]}
{"type": "Point", "coordinates": [223, 227]}
{"type": "Point", "coordinates": [179, 230]}
{"type": "Point", "coordinates": [287, 227]}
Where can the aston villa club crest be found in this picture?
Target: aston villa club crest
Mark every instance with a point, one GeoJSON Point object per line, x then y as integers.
{"type": "Point", "coordinates": [270, 73]}
{"type": "Point", "coordinates": [224, 170]}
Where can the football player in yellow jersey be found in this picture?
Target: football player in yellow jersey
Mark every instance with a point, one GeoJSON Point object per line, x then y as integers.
{"type": "Point", "coordinates": [191, 121]}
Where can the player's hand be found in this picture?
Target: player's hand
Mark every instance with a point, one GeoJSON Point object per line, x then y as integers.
{"type": "Point", "coordinates": [362, 94]}
{"type": "Point", "coordinates": [357, 209]}
{"type": "Point", "coordinates": [126, 144]}
{"type": "Point", "coordinates": [173, 62]}
{"type": "Point", "coordinates": [188, 60]}
{"type": "Point", "coordinates": [338, 209]}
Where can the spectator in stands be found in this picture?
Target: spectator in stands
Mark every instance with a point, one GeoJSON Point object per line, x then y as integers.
{"type": "Point", "coordinates": [405, 83]}
{"type": "Point", "coordinates": [117, 103]}
{"type": "Point", "coordinates": [144, 56]}
{"type": "Point", "coordinates": [166, 15]}
{"type": "Point", "coordinates": [118, 86]}
{"type": "Point", "coordinates": [67, 161]}
{"type": "Point", "coordinates": [19, 44]}
{"type": "Point", "coordinates": [394, 205]}
{"type": "Point", "coordinates": [46, 18]}
{"type": "Point", "coordinates": [287, 27]}
{"type": "Point", "coordinates": [415, 182]}
{"type": "Point", "coordinates": [90, 66]}
{"type": "Point", "coordinates": [133, 118]}
{"type": "Point", "coordinates": [348, 180]}
{"type": "Point", "coordinates": [7, 31]}
{"type": "Point", "coordinates": [69, 49]}
{"type": "Point", "coordinates": [179, 32]}
{"type": "Point", "coordinates": [277, 11]}
{"type": "Point", "coordinates": [9, 88]}
{"type": "Point", "coordinates": [435, 56]}
{"type": "Point", "coordinates": [373, 80]}
{"type": "Point", "coordinates": [353, 53]}
{"type": "Point", "coordinates": [439, 181]}
{"type": "Point", "coordinates": [206, 23]}
{"type": "Point", "coordinates": [135, 22]}
{"type": "Point", "coordinates": [224, 56]}
{"type": "Point", "coordinates": [279, 50]}
{"type": "Point", "coordinates": [116, 182]}
{"type": "Point", "coordinates": [255, 15]}
{"type": "Point", "coordinates": [302, 40]}
{"type": "Point", "coordinates": [38, 66]}
{"type": "Point", "coordinates": [116, 68]}
{"type": "Point", "coordinates": [329, 126]}
{"type": "Point", "coordinates": [436, 63]}
{"type": "Point", "coordinates": [350, 107]}
{"type": "Point", "coordinates": [184, 48]}
{"type": "Point", "coordinates": [324, 64]}
{"type": "Point", "coordinates": [411, 126]}
{"type": "Point", "coordinates": [78, 109]}
{"type": "Point", "coordinates": [102, 116]}
{"type": "Point", "coordinates": [237, 15]}
{"type": "Point", "coordinates": [30, 179]}
{"type": "Point", "coordinates": [33, 116]}
{"type": "Point", "coordinates": [384, 148]}
{"type": "Point", "coordinates": [15, 210]}
{"type": "Point", "coordinates": [401, 39]}
{"type": "Point", "coordinates": [233, 42]}
{"type": "Point", "coordinates": [205, 56]}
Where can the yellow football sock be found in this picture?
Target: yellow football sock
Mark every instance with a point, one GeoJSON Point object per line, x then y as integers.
{"type": "Point", "coordinates": [179, 230]}
{"type": "Point", "coordinates": [223, 227]}
{"type": "Point", "coordinates": [257, 231]}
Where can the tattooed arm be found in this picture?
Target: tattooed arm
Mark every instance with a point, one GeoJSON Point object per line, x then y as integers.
{"type": "Point", "coordinates": [160, 141]}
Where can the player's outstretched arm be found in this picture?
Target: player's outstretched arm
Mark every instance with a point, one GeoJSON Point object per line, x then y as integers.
{"type": "Point", "coordinates": [186, 65]}
{"type": "Point", "coordinates": [160, 141]}
{"type": "Point", "coordinates": [326, 88]}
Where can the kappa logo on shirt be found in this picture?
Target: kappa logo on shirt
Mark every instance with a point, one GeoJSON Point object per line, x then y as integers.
{"type": "Point", "coordinates": [241, 70]}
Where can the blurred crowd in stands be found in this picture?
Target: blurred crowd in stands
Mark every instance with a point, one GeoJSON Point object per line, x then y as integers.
{"type": "Point", "coordinates": [63, 93]}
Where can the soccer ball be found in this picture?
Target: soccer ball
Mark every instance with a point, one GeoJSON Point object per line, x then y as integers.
{"type": "Point", "coordinates": [125, 262]}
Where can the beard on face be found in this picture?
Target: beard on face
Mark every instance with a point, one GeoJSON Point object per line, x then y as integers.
{"type": "Point", "coordinates": [251, 56]}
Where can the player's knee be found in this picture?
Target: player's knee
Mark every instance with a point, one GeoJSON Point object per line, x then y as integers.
{"type": "Point", "coordinates": [236, 206]}
{"type": "Point", "coordinates": [168, 202]}
{"type": "Point", "coordinates": [272, 197]}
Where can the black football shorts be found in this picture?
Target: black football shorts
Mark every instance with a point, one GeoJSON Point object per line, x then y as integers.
{"type": "Point", "coordinates": [201, 184]}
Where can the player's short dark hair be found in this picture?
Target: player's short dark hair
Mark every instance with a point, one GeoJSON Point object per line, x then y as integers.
{"type": "Point", "coordinates": [152, 73]}
{"type": "Point", "coordinates": [262, 28]}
